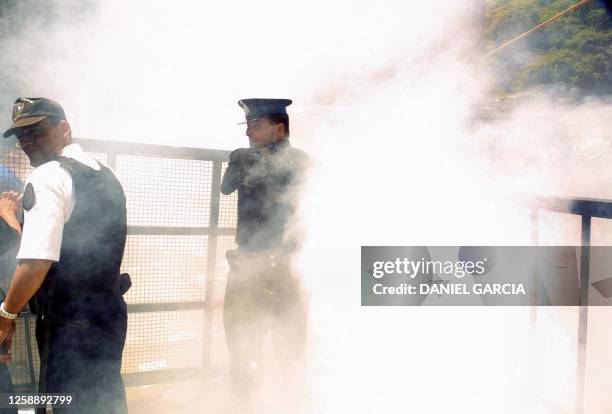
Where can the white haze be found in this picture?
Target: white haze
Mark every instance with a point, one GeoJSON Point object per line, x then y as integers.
{"type": "Point", "coordinates": [382, 93]}
{"type": "Point", "coordinates": [148, 71]}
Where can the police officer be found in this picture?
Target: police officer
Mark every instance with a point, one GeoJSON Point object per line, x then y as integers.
{"type": "Point", "coordinates": [71, 250]}
{"type": "Point", "coordinates": [10, 231]}
{"type": "Point", "coordinates": [263, 293]}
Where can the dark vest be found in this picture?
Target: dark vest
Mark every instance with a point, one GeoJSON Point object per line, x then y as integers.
{"type": "Point", "coordinates": [93, 241]}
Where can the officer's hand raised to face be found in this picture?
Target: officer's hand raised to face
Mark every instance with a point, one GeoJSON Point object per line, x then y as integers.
{"type": "Point", "coordinates": [8, 208]}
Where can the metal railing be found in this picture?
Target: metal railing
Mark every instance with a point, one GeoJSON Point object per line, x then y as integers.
{"type": "Point", "coordinates": [588, 209]}
{"type": "Point", "coordinates": [179, 226]}
{"type": "Point", "coordinates": [214, 235]}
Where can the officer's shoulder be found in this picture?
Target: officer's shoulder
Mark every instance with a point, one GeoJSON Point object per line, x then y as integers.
{"type": "Point", "coordinates": [299, 157]}
{"type": "Point", "coordinates": [298, 153]}
{"type": "Point", "coordinates": [48, 174]}
{"type": "Point", "coordinates": [237, 153]}
{"type": "Point", "coordinates": [46, 171]}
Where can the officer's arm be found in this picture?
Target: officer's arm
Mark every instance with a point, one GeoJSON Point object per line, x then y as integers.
{"type": "Point", "coordinates": [46, 201]}
{"type": "Point", "coordinates": [231, 179]}
{"type": "Point", "coordinates": [234, 173]}
{"type": "Point", "coordinates": [28, 276]}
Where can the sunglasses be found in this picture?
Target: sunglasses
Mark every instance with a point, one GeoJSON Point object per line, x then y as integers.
{"type": "Point", "coordinates": [31, 133]}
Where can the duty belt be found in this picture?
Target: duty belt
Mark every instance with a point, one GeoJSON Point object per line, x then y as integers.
{"type": "Point", "coordinates": [42, 302]}
{"type": "Point", "coordinates": [265, 274]}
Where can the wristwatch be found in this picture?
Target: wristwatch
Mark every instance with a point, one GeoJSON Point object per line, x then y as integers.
{"type": "Point", "coordinates": [6, 314]}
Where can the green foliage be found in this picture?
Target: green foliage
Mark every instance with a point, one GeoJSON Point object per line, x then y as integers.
{"type": "Point", "coordinates": [572, 54]}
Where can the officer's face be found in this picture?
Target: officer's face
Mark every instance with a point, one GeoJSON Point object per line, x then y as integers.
{"type": "Point", "coordinates": [262, 132]}
{"type": "Point", "coordinates": [42, 141]}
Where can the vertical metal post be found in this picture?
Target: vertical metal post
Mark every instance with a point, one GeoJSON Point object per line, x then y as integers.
{"type": "Point", "coordinates": [215, 196]}
{"type": "Point", "coordinates": [585, 255]}
{"type": "Point", "coordinates": [111, 160]}
{"type": "Point", "coordinates": [28, 340]}
{"type": "Point", "coordinates": [534, 227]}
{"type": "Point", "coordinates": [533, 311]}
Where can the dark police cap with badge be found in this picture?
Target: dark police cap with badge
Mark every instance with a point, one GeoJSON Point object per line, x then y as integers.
{"type": "Point", "coordinates": [29, 111]}
{"type": "Point", "coordinates": [259, 107]}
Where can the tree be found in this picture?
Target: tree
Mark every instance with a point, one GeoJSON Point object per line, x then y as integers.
{"type": "Point", "coordinates": [572, 55]}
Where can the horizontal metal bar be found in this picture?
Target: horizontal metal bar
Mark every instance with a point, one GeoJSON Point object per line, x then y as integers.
{"type": "Point", "coordinates": [161, 376]}
{"type": "Point", "coordinates": [592, 207]}
{"type": "Point", "coordinates": [165, 306]}
{"type": "Point", "coordinates": [147, 307]}
{"type": "Point", "coordinates": [164, 151]}
{"type": "Point", "coordinates": [131, 379]}
{"type": "Point", "coordinates": [24, 387]}
{"type": "Point", "coordinates": [179, 231]}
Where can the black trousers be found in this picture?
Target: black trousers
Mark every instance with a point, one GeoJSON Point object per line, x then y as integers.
{"type": "Point", "coordinates": [83, 356]}
{"type": "Point", "coordinates": [263, 296]}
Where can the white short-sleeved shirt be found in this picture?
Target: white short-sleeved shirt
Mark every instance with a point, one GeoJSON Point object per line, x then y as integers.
{"type": "Point", "coordinates": [54, 201]}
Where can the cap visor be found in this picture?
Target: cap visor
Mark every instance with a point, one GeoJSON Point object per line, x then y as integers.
{"type": "Point", "coordinates": [22, 123]}
{"type": "Point", "coordinates": [250, 120]}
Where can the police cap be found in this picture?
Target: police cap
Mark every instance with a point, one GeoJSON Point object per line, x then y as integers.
{"type": "Point", "coordinates": [28, 111]}
{"type": "Point", "coordinates": [259, 107]}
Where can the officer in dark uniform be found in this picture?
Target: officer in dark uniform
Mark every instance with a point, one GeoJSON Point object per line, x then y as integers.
{"type": "Point", "coordinates": [72, 244]}
{"type": "Point", "coordinates": [10, 231]}
{"type": "Point", "coordinates": [263, 293]}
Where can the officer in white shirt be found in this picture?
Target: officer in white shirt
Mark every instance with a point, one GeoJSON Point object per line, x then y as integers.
{"type": "Point", "coordinates": [74, 233]}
